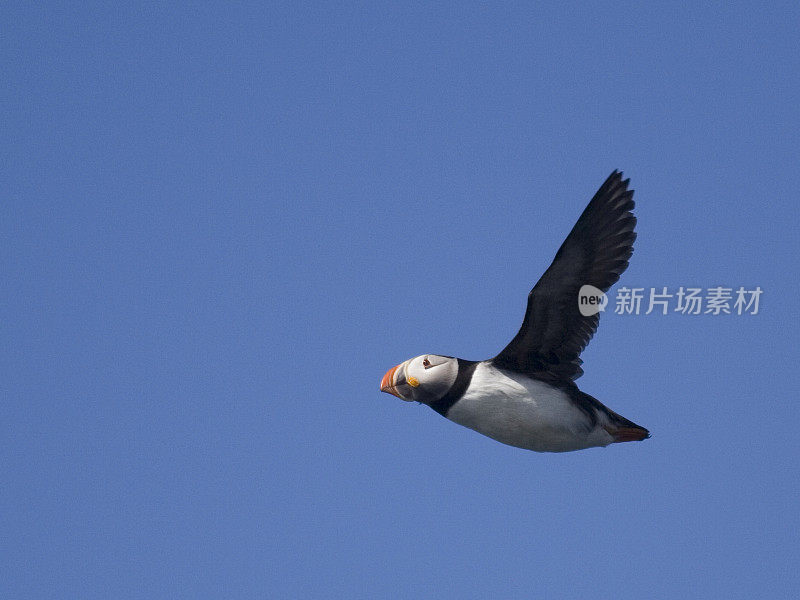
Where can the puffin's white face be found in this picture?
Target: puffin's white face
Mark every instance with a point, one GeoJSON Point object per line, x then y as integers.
{"type": "Point", "coordinates": [424, 379]}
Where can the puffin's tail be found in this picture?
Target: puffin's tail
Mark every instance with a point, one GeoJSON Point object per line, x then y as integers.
{"type": "Point", "coordinates": [623, 430]}
{"type": "Point", "coordinates": [633, 433]}
{"type": "Point", "coordinates": [620, 428]}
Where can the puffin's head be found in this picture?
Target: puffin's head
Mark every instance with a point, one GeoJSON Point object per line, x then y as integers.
{"type": "Point", "coordinates": [423, 379]}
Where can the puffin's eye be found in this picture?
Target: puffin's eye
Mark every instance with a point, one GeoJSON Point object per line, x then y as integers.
{"type": "Point", "coordinates": [426, 363]}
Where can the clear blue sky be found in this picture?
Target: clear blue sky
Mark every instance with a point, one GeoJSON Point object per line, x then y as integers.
{"type": "Point", "coordinates": [223, 223]}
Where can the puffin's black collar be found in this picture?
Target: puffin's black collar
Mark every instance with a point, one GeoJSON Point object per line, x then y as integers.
{"type": "Point", "coordinates": [465, 370]}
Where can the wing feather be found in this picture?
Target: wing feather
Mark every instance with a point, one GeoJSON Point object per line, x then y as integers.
{"type": "Point", "coordinates": [596, 252]}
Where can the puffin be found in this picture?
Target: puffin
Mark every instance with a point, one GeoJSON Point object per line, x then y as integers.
{"type": "Point", "coordinates": [526, 396]}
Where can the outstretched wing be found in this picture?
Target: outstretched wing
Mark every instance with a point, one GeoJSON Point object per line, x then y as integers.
{"type": "Point", "coordinates": [596, 252]}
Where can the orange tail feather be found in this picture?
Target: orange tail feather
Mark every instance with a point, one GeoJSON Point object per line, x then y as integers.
{"type": "Point", "coordinates": [628, 434]}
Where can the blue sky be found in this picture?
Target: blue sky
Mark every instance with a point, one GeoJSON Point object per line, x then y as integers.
{"type": "Point", "coordinates": [223, 223]}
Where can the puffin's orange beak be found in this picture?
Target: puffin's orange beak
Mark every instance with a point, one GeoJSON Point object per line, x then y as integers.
{"type": "Point", "coordinates": [387, 383]}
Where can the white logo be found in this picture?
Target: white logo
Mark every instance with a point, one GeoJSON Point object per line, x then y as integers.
{"type": "Point", "coordinates": [591, 300]}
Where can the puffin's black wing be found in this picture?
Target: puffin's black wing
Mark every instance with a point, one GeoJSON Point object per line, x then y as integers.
{"type": "Point", "coordinates": [596, 252]}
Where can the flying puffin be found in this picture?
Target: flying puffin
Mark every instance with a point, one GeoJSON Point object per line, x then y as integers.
{"type": "Point", "coordinates": [526, 395]}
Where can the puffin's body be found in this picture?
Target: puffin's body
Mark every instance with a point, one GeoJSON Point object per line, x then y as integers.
{"type": "Point", "coordinates": [526, 395]}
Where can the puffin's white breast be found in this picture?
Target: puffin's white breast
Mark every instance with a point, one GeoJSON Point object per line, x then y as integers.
{"type": "Point", "coordinates": [524, 412]}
